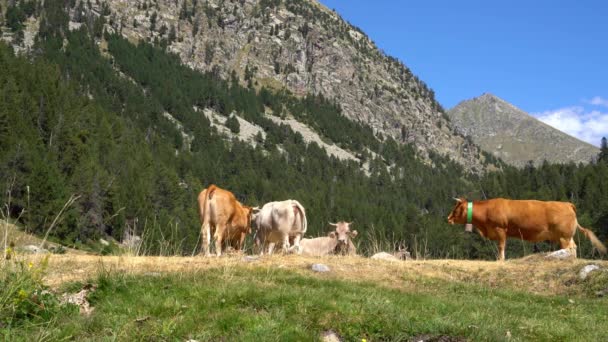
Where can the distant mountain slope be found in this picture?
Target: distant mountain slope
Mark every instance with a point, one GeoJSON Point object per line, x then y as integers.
{"type": "Point", "coordinates": [509, 133]}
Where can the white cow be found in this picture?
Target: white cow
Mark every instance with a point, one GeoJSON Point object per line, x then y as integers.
{"type": "Point", "coordinates": [277, 222]}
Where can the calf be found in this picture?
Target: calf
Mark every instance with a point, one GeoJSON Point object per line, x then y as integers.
{"type": "Point", "coordinates": [338, 241]}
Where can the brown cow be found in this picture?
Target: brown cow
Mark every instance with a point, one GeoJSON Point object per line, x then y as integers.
{"type": "Point", "coordinates": [529, 220]}
{"type": "Point", "coordinates": [337, 242]}
{"type": "Point", "coordinates": [223, 216]}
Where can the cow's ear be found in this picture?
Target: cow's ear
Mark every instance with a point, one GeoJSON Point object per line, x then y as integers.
{"type": "Point", "coordinates": [332, 235]}
{"type": "Point", "coordinates": [354, 233]}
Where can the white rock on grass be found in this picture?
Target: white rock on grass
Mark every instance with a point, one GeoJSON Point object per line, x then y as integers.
{"type": "Point", "coordinates": [330, 336]}
{"type": "Point", "coordinates": [320, 268]}
{"type": "Point", "coordinates": [384, 256]}
{"type": "Point", "coordinates": [560, 254]}
{"type": "Point", "coordinates": [34, 249]}
{"type": "Point", "coordinates": [586, 270]}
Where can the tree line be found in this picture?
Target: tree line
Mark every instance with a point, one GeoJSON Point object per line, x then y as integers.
{"type": "Point", "coordinates": [73, 121]}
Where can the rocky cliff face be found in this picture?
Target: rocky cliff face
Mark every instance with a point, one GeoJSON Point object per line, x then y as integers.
{"type": "Point", "coordinates": [298, 45]}
{"type": "Point", "coordinates": [302, 46]}
{"type": "Point", "coordinates": [516, 137]}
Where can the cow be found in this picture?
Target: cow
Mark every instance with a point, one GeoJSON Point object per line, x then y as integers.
{"type": "Point", "coordinates": [338, 241]}
{"type": "Point", "coordinates": [529, 220]}
{"type": "Point", "coordinates": [278, 222]}
{"type": "Point", "coordinates": [223, 217]}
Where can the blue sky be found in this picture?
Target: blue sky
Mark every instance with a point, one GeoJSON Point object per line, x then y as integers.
{"type": "Point", "coordinates": [549, 58]}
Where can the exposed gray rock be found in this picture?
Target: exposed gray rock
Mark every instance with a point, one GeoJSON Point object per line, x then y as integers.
{"type": "Point", "coordinates": [384, 256]}
{"type": "Point", "coordinates": [33, 249]}
{"type": "Point", "coordinates": [251, 258]}
{"type": "Point", "coordinates": [584, 272]}
{"type": "Point", "coordinates": [561, 254]}
{"type": "Point", "coordinates": [330, 336]}
{"type": "Point", "coordinates": [80, 299]}
{"type": "Point", "coordinates": [320, 268]}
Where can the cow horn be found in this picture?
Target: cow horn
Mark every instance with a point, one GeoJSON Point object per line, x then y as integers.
{"type": "Point", "coordinates": [457, 199]}
{"type": "Point", "coordinates": [255, 209]}
{"type": "Point", "coordinates": [351, 222]}
{"type": "Point", "coordinates": [332, 224]}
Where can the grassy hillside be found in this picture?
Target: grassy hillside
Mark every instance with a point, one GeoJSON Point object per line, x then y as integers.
{"type": "Point", "coordinates": [280, 298]}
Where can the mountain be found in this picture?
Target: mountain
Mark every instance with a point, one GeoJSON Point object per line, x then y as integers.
{"type": "Point", "coordinates": [295, 45]}
{"type": "Point", "coordinates": [511, 134]}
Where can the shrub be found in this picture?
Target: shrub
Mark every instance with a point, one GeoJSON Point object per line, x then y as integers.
{"type": "Point", "coordinates": [23, 296]}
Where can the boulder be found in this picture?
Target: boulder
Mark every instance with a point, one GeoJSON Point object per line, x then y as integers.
{"type": "Point", "coordinates": [33, 249]}
{"type": "Point", "coordinates": [385, 256]}
{"type": "Point", "coordinates": [320, 268]}
{"type": "Point", "coordinates": [583, 273]}
{"type": "Point", "coordinates": [561, 254]}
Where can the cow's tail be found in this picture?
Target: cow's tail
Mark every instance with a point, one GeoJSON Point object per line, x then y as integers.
{"type": "Point", "coordinates": [594, 240]}
{"type": "Point", "coordinates": [210, 192]}
{"type": "Point", "coordinates": [303, 220]}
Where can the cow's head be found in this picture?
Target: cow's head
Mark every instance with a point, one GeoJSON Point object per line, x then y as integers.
{"type": "Point", "coordinates": [255, 211]}
{"type": "Point", "coordinates": [459, 213]}
{"type": "Point", "coordinates": [343, 234]}
{"type": "Point", "coordinates": [250, 213]}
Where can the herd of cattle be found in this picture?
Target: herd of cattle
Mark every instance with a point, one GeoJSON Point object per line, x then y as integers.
{"type": "Point", "coordinates": [282, 225]}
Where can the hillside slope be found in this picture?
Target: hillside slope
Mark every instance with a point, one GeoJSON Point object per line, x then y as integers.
{"type": "Point", "coordinates": [516, 137]}
{"type": "Point", "coordinates": [297, 45]}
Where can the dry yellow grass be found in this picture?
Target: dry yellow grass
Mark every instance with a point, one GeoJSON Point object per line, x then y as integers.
{"type": "Point", "coordinates": [534, 274]}
{"type": "Point", "coordinates": [19, 238]}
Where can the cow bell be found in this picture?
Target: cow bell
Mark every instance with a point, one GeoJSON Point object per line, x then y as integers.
{"type": "Point", "coordinates": [468, 228]}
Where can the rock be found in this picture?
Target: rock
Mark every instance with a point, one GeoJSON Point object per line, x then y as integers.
{"type": "Point", "coordinates": [33, 249]}
{"type": "Point", "coordinates": [104, 242]}
{"type": "Point", "coordinates": [251, 258]}
{"type": "Point", "coordinates": [320, 268]}
{"type": "Point", "coordinates": [586, 270]}
{"type": "Point", "coordinates": [153, 274]}
{"type": "Point", "coordinates": [384, 256]}
{"type": "Point", "coordinates": [560, 254]}
{"type": "Point", "coordinates": [80, 299]}
{"type": "Point", "coordinates": [330, 336]}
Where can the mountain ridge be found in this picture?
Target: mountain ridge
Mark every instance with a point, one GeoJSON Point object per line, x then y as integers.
{"type": "Point", "coordinates": [305, 48]}
{"type": "Point", "coordinates": [507, 132]}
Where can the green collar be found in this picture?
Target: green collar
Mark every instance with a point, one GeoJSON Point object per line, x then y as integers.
{"type": "Point", "coordinates": [470, 212]}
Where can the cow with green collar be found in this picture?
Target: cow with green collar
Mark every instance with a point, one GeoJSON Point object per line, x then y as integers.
{"type": "Point", "coordinates": [529, 220]}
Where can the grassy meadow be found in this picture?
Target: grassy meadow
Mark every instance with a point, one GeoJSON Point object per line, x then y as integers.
{"type": "Point", "coordinates": [279, 298]}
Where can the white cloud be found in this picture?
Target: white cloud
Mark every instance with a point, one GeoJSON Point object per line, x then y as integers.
{"type": "Point", "coordinates": [598, 101]}
{"type": "Point", "coordinates": [586, 125]}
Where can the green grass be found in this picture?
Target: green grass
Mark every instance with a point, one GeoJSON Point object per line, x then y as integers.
{"type": "Point", "coordinates": [267, 304]}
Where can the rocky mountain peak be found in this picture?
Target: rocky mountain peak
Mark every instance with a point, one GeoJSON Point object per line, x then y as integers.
{"type": "Point", "coordinates": [515, 136]}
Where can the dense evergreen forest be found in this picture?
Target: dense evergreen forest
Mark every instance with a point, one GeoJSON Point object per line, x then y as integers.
{"type": "Point", "coordinates": [76, 121]}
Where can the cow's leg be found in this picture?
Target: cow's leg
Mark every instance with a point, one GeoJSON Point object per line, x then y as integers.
{"type": "Point", "coordinates": [502, 243]}
{"type": "Point", "coordinates": [219, 239]}
{"type": "Point", "coordinates": [270, 248]}
{"type": "Point", "coordinates": [242, 242]}
{"type": "Point", "coordinates": [296, 244]}
{"type": "Point", "coordinates": [285, 243]}
{"type": "Point", "coordinates": [569, 245]}
{"type": "Point", "coordinates": [206, 238]}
